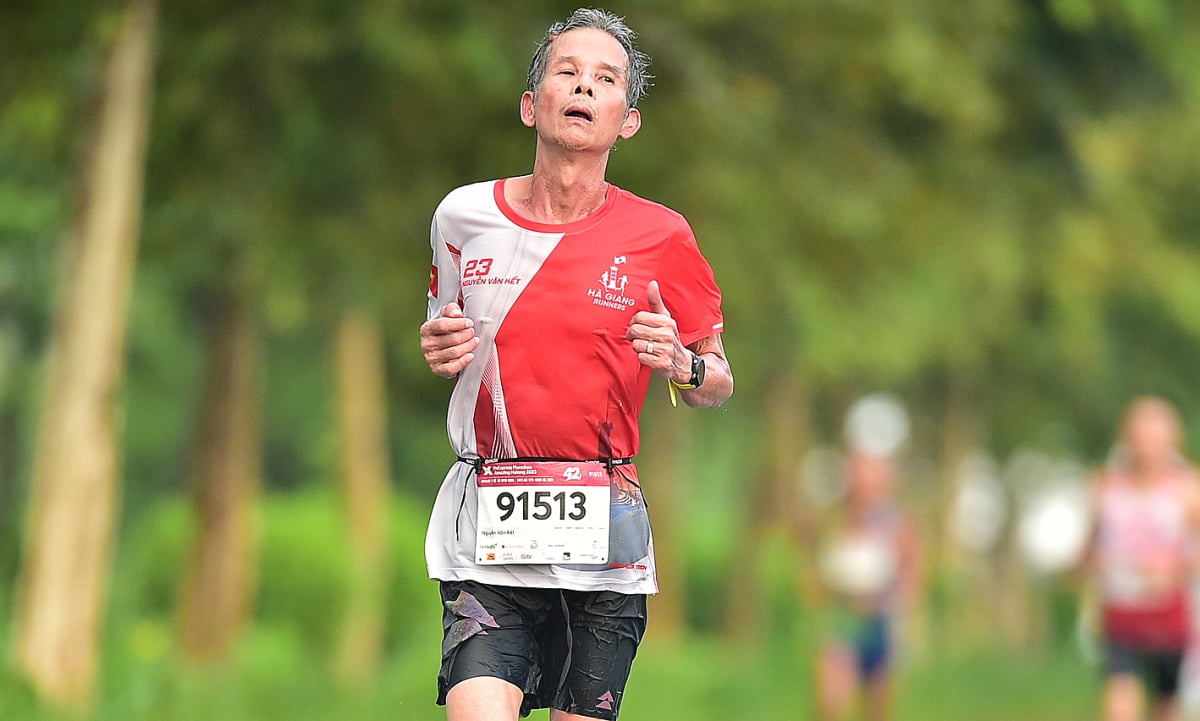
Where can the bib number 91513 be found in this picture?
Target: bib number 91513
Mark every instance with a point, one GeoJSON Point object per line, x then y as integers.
{"type": "Point", "coordinates": [545, 505]}
{"type": "Point", "coordinates": [542, 512]}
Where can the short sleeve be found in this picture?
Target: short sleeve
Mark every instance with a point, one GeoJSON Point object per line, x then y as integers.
{"type": "Point", "coordinates": [689, 288]}
{"type": "Point", "coordinates": [443, 273]}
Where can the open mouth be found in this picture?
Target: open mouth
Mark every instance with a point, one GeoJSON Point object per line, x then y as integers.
{"type": "Point", "coordinates": [580, 113]}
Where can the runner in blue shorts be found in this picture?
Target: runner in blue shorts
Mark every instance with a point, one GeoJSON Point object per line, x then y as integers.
{"type": "Point", "coordinates": [869, 565]}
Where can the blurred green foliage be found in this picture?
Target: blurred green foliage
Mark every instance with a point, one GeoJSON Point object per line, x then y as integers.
{"type": "Point", "coordinates": [303, 569]}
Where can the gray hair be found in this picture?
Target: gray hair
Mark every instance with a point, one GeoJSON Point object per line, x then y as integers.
{"type": "Point", "coordinates": [637, 79]}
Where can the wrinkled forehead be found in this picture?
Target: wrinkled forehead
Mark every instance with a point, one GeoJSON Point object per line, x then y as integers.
{"type": "Point", "coordinates": [589, 45]}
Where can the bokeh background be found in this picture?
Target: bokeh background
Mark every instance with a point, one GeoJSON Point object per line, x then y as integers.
{"type": "Point", "coordinates": [214, 258]}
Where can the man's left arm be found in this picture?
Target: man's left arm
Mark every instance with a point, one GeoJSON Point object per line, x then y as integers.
{"type": "Point", "coordinates": [718, 377]}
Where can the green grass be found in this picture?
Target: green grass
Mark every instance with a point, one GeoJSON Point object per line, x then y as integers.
{"type": "Point", "coordinates": [1002, 687]}
{"type": "Point", "coordinates": [708, 680]}
{"type": "Point", "coordinates": [699, 679]}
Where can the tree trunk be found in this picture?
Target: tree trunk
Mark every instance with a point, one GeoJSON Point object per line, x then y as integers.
{"type": "Point", "coordinates": [1019, 621]}
{"type": "Point", "coordinates": [964, 617]}
{"type": "Point", "coordinates": [221, 571]}
{"type": "Point", "coordinates": [662, 470]}
{"type": "Point", "coordinates": [366, 475]}
{"type": "Point", "coordinates": [773, 506]}
{"type": "Point", "coordinates": [63, 585]}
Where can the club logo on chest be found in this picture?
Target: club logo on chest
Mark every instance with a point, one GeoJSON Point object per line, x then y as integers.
{"type": "Point", "coordinates": [611, 293]}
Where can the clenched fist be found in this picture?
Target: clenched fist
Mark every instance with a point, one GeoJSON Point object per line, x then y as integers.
{"type": "Point", "coordinates": [448, 342]}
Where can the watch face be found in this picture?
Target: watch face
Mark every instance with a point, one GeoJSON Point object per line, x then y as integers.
{"type": "Point", "coordinates": [697, 370]}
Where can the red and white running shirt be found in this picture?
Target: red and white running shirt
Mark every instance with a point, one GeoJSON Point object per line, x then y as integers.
{"type": "Point", "coordinates": [554, 375]}
{"type": "Point", "coordinates": [1144, 547]}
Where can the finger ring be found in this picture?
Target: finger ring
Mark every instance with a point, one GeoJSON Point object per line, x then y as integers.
{"type": "Point", "coordinates": [650, 348]}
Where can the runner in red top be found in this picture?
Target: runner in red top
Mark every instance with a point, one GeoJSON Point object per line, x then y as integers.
{"type": "Point", "coordinates": [555, 298]}
{"type": "Point", "coordinates": [1147, 510]}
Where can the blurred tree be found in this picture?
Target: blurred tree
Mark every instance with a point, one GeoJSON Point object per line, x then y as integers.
{"type": "Point", "coordinates": [366, 477]}
{"type": "Point", "coordinates": [772, 506]}
{"type": "Point", "coordinates": [63, 584]}
{"type": "Point", "coordinates": [207, 225]}
{"type": "Point", "coordinates": [220, 577]}
{"type": "Point", "coordinates": [666, 464]}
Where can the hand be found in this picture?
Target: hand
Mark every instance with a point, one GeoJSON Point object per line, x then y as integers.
{"type": "Point", "coordinates": [448, 341]}
{"type": "Point", "coordinates": [656, 339]}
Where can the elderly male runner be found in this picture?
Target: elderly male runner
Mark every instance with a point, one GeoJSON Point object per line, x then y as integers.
{"type": "Point", "coordinates": [554, 300]}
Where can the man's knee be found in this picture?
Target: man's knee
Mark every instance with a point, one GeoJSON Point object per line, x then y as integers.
{"type": "Point", "coordinates": [484, 698]}
{"type": "Point", "coordinates": [557, 715]}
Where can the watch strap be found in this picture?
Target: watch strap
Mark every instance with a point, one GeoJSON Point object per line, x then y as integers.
{"type": "Point", "coordinates": [697, 374]}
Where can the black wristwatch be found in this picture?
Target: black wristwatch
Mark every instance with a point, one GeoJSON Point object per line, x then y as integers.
{"type": "Point", "coordinates": [697, 378]}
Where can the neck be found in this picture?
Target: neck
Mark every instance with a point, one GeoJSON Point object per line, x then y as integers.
{"type": "Point", "coordinates": [564, 187]}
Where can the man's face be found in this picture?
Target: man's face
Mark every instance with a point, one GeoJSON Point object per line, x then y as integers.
{"type": "Point", "coordinates": [871, 478]}
{"type": "Point", "coordinates": [1152, 435]}
{"type": "Point", "coordinates": [581, 102]}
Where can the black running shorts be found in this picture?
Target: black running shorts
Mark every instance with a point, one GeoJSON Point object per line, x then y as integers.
{"type": "Point", "coordinates": [1159, 670]}
{"type": "Point", "coordinates": [568, 650]}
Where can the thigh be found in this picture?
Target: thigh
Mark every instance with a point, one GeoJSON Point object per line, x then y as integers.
{"type": "Point", "coordinates": [484, 699]}
{"type": "Point", "coordinates": [493, 632]}
{"type": "Point", "coordinates": [604, 631]}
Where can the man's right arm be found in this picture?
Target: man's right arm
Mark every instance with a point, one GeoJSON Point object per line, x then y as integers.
{"type": "Point", "coordinates": [448, 337]}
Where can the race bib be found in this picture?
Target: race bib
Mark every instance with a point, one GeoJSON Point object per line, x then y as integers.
{"type": "Point", "coordinates": [542, 512]}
